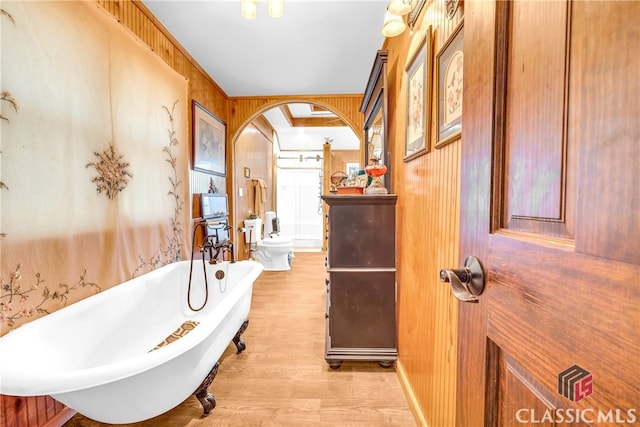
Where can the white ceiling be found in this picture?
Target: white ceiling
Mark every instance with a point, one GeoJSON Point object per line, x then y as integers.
{"type": "Point", "coordinates": [309, 138]}
{"type": "Point", "coordinates": [317, 47]}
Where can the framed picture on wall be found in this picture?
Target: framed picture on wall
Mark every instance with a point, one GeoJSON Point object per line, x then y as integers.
{"type": "Point", "coordinates": [209, 142]}
{"type": "Point", "coordinates": [418, 82]}
{"type": "Point", "coordinates": [450, 63]}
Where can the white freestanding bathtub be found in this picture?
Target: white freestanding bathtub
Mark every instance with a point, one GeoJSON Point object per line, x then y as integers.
{"type": "Point", "coordinates": [99, 356]}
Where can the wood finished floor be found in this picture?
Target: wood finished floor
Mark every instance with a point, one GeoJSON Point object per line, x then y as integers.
{"type": "Point", "coordinates": [281, 379]}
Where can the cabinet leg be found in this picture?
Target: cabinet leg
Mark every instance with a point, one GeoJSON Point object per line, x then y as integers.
{"type": "Point", "coordinates": [386, 363]}
{"type": "Point", "coordinates": [334, 364]}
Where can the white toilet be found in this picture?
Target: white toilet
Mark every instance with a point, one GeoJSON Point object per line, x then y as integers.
{"type": "Point", "coordinates": [272, 251]}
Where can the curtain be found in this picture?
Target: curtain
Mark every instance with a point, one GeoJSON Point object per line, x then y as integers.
{"type": "Point", "coordinates": [94, 157]}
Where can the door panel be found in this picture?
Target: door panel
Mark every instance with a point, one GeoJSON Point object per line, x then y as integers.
{"type": "Point", "coordinates": [517, 389]}
{"type": "Point", "coordinates": [550, 309]}
{"type": "Point", "coordinates": [535, 111]}
{"type": "Point", "coordinates": [557, 236]}
{"type": "Point", "coordinates": [604, 114]}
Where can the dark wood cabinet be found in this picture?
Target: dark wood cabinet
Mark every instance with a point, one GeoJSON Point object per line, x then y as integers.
{"type": "Point", "coordinates": [361, 287]}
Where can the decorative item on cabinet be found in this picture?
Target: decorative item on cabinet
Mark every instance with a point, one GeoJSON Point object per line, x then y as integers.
{"type": "Point", "coordinates": [362, 180]}
{"type": "Point", "coordinates": [376, 171]}
{"type": "Point", "coordinates": [361, 287]}
{"type": "Point", "coordinates": [337, 179]}
{"type": "Point", "coordinates": [350, 189]}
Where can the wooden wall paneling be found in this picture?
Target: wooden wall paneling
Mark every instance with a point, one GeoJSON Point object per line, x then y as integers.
{"type": "Point", "coordinates": [253, 148]}
{"type": "Point", "coordinates": [41, 402]}
{"type": "Point", "coordinates": [37, 411]}
{"type": "Point", "coordinates": [18, 405]}
{"type": "Point", "coordinates": [243, 109]}
{"type": "Point", "coordinates": [32, 409]}
{"type": "Point", "coordinates": [5, 412]}
{"type": "Point", "coordinates": [428, 230]}
{"type": "Point", "coordinates": [18, 411]}
{"type": "Point", "coordinates": [340, 158]}
{"type": "Point", "coordinates": [138, 19]}
{"type": "Point", "coordinates": [51, 407]}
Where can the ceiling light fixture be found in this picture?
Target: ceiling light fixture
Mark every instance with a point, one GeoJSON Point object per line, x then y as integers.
{"type": "Point", "coordinates": [276, 8]}
{"type": "Point", "coordinates": [249, 9]}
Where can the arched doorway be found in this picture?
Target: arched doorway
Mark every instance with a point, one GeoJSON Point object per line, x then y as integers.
{"type": "Point", "coordinates": [282, 147]}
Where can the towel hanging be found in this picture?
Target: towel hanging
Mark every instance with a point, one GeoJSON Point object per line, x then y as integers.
{"type": "Point", "coordinates": [259, 197]}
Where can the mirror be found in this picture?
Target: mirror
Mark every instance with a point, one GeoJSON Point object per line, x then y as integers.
{"type": "Point", "coordinates": [374, 136]}
{"type": "Point", "coordinates": [374, 108]}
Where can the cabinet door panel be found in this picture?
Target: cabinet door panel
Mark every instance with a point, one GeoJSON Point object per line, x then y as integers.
{"type": "Point", "coordinates": [362, 309]}
{"type": "Point", "coordinates": [361, 232]}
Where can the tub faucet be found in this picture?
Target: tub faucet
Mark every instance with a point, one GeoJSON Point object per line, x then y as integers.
{"type": "Point", "coordinates": [228, 247]}
{"type": "Point", "coordinates": [211, 242]}
{"type": "Point", "coordinates": [216, 248]}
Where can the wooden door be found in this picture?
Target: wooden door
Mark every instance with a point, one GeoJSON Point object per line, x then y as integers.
{"type": "Point", "coordinates": [550, 204]}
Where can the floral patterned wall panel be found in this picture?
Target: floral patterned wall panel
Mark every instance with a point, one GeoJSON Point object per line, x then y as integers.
{"type": "Point", "coordinates": [94, 158]}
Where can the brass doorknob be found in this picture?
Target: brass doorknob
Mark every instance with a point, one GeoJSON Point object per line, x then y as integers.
{"type": "Point", "coordinates": [466, 282]}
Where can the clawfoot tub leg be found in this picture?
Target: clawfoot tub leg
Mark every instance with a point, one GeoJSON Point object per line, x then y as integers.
{"type": "Point", "coordinates": [240, 345]}
{"type": "Point", "coordinates": [207, 400]}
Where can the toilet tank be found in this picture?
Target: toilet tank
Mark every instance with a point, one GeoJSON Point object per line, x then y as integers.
{"type": "Point", "coordinates": [253, 230]}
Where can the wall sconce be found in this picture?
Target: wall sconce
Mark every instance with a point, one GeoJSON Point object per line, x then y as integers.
{"type": "Point", "coordinates": [400, 7]}
{"type": "Point", "coordinates": [248, 8]}
{"type": "Point", "coordinates": [394, 23]}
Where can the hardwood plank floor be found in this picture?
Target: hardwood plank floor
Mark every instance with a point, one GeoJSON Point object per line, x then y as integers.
{"type": "Point", "coordinates": [281, 379]}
